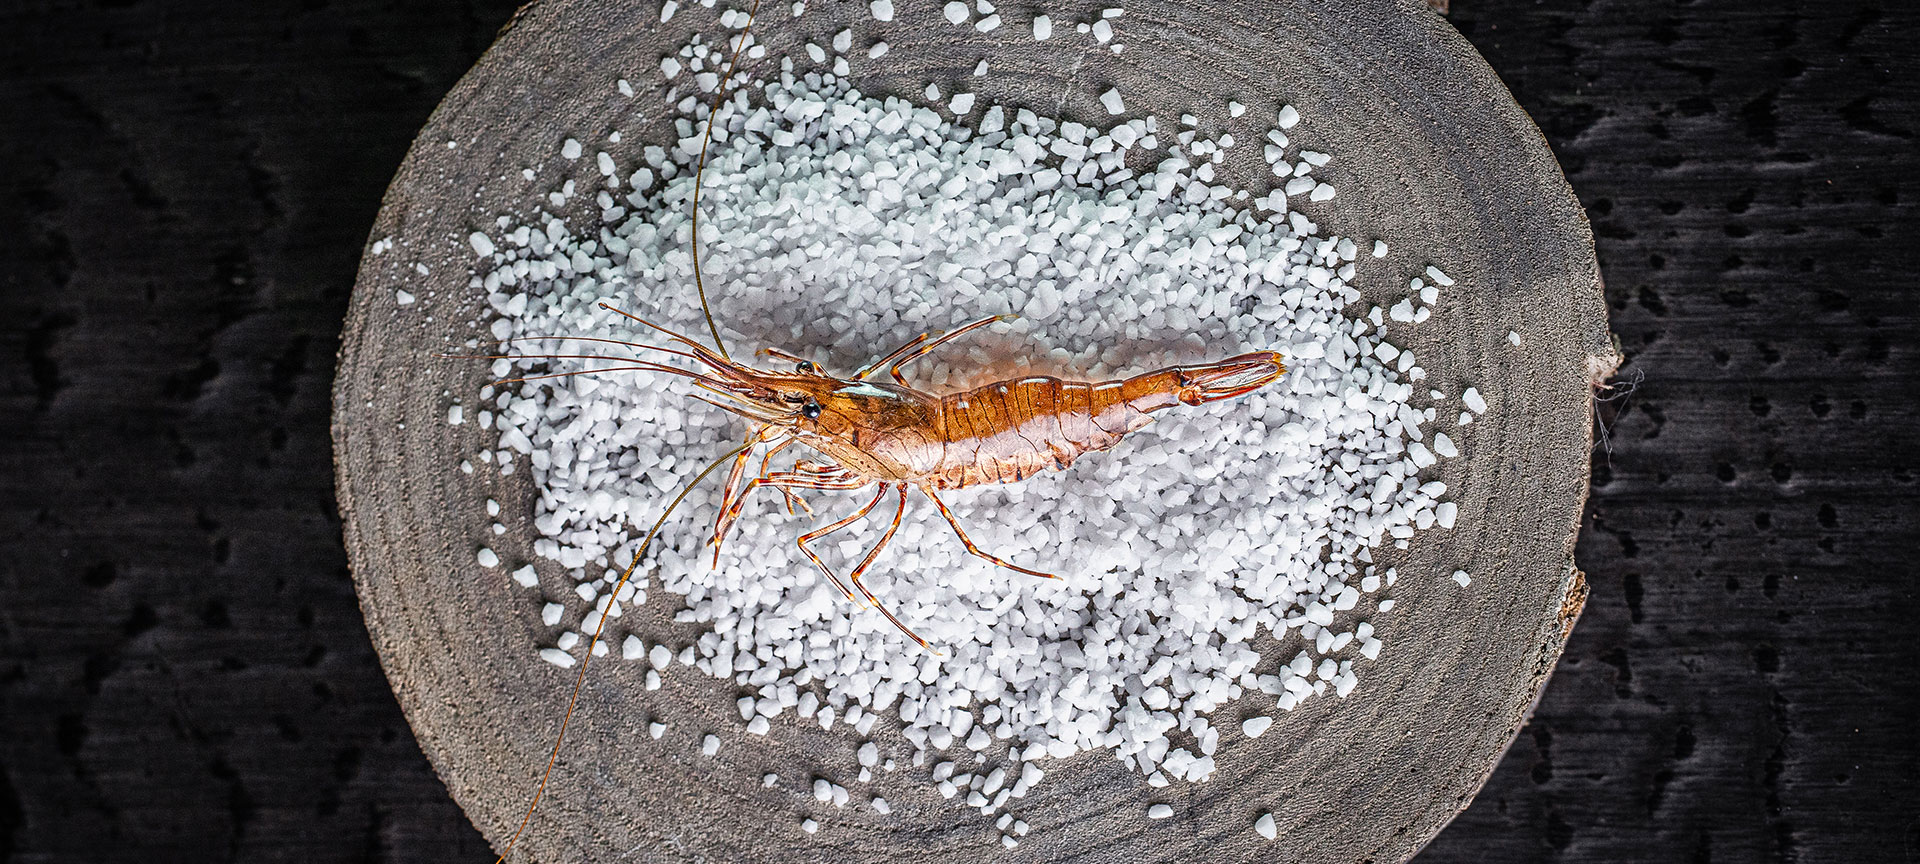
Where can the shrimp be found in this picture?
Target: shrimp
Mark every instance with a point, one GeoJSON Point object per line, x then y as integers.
{"type": "Point", "coordinates": [896, 438]}
{"type": "Point", "coordinates": [886, 434]}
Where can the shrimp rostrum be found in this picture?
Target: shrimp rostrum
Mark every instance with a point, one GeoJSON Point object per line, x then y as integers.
{"type": "Point", "coordinates": [896, 438]}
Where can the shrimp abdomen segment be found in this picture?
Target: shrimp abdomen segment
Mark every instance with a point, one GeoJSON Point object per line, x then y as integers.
{"type": "Point", "coordinates": [1011, 430]}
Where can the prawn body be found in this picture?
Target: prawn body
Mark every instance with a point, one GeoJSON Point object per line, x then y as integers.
{"type": "Point", "coordinates": [1001, 432]}
{"type": "Point", "coordinates": [897, 437]}
{"type": "Point", "coordinates": [1008, 431]}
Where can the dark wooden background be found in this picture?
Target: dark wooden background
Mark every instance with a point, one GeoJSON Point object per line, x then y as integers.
{"type": "Point", "coordinates": [185, 189]}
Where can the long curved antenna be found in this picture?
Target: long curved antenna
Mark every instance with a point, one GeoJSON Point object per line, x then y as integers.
{"type": "Point", "coordinates": [918, 347]}
{"type": "Point", "coordinates": [641, 345]}
{"type": "Point", "coordinates": [670, 334]}
{"type": "Point", "coordinates": [635, 366]}
{"type": "Point", "coordinates": [581, 678]}
{"type": "Point", "coordinates": [541, 357]}
{"type": "Point", "coordinates": [700, 176]}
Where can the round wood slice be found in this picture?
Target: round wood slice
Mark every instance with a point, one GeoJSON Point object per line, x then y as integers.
{"type": "Point", "coordinates": [1430, 154]}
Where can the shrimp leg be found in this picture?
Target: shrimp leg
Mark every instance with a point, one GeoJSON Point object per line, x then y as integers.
{"type": "Point", "coordinates": [898, 510]}
{"type": "Point", "coordinates": [969, 541]}
{"type": "Point", "coordinates": [736, 477]}
{"type": "Point", "coordinates": [786, 493]}
{"type": "Point", "coordinates": [918, 347]}
{"type": "Point", "coordinates": [785, 481]}
{"type": "Point", "coordinates": [733, 495]}
{"type": "Point", "coordinates": [817, 534]}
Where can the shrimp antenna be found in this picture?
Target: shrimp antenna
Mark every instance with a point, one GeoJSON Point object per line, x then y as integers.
{"type": "Point", "coordinates": [700, 175]}
{"type": "Point", "coordinates": [640, 345]}
{"type": "Point", "coordinates": [581, 678]}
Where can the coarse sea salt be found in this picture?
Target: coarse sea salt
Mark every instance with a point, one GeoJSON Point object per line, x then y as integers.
{"type": "Point", "coordinates": [841, 224]}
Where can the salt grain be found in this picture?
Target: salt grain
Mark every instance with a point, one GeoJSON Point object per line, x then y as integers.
{"type": "Point", "coordinates": [1461, 577]}
{"type": "Point", "coordinates": [1159, 811]}
{"type": "Point", "coordinates": [882, 10]}
{"type": "Point", "coordinates": [1264, 826]}
{"type": "Point", "coordinates": [1042, 28]}
{"type": "Point", "coordinates": [1111, 99]}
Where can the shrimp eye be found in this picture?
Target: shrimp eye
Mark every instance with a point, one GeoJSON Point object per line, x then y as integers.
{"type": "Point", "coordinates": [807, 367]}
{"type": "Point", "coordinates": [811, 410]}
